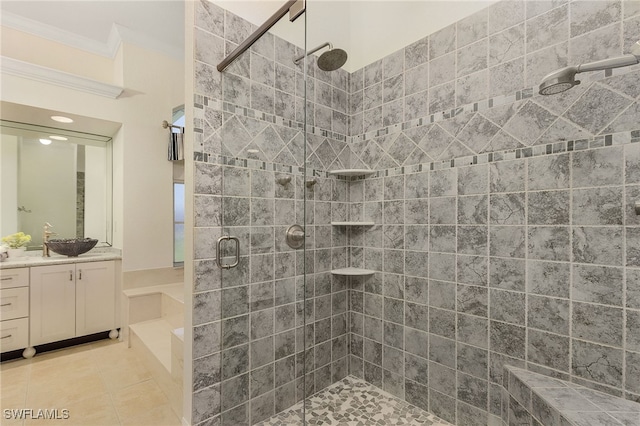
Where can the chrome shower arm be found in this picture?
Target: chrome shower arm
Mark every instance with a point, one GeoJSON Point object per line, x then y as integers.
{"type": "Point", "coordinates": [621, 61]}
{"type": "Point", "coordinates": [312, 51]}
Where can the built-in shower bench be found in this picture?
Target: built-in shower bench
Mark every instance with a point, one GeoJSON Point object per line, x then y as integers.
{"type": "Point", "coordinates": [534, 399]}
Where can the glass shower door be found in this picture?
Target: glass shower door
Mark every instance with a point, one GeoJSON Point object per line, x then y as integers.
{"type": "Point", "coordinates": [259, 136]}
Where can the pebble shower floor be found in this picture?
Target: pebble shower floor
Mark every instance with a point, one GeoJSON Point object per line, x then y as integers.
{"type": "Point", "coordinates": [354, 402]}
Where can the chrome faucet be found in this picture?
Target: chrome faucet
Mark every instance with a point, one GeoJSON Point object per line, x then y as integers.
{"type": "Point", "coordinates": [46, 233]}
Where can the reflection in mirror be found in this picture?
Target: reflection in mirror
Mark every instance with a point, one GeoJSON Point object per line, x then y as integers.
{"type": "Point", "coordinates": [57, 176]}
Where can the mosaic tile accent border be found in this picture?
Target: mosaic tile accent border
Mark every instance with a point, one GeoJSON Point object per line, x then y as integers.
{"type": "Point", "coordinates": [534, 151]}
{"type": "Point", "coordinates": [200, 101]}
{"type": "Point", "coordinates": [615, 139]}
{"type": "Point", "coordinates": [353, 401]}
{"type": "Point", "coordinates": [596, 141]}
{"type": "Point", "coordinates": [445, 115]}
{"type": "Point", "coordinates": [479, 106]}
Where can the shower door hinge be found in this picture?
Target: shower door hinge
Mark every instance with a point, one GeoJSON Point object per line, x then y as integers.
{"type": "Point", "coordinates": [296, 10]}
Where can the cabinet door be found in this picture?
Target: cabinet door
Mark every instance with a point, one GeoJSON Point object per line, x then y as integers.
{"type": "Point", "coordinates": [53, 303]}
{"type": "Point", "coordinates": [95, 297]}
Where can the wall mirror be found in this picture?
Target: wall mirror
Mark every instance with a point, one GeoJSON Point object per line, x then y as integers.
{"type": "Point", "coordinates": [55, 175]}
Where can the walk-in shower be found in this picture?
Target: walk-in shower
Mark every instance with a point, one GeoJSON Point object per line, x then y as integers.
{"type": "Point", "coordinates": [564, 79]}
{"type": "Point", "coordinates": [456, 235]}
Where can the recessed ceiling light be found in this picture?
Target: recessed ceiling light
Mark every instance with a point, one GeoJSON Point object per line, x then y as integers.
{"type": "Point", "coordinates": [61, 119]}
{"type": "Point", "coordinates": [58, 138]}
{"type": "Point", "coordinates": [45, 141]}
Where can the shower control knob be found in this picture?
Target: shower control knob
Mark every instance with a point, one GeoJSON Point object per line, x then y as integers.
{"type": "Point", "coordinates": [295, 236]}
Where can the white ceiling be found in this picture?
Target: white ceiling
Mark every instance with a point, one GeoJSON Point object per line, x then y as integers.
{"type": "Point", "coordinates": [367, 29]}
{"type": "Point", "coordinates": [93, 21]}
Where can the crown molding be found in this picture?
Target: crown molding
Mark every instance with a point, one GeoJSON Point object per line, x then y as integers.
{"type": "Point", "coordinates": [31, 71]}
{"type": "Point", "coordinates": [49, 32]}
{"type": "Point", "coordinates": [109, 49]}
{"type": "Point", "coordinates": [121, 34]}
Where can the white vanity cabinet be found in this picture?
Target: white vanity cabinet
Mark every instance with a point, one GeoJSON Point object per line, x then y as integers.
{"type": "Point", "coordinates": [71, 300]}
{"type": "Point", "coordinates": [14, 309]}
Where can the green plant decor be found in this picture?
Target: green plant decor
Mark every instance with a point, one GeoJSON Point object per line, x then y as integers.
{"type": "Point", "coordinates": [17, 240]}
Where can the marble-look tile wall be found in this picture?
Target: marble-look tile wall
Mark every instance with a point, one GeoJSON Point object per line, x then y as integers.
{"type": "Point", "coordinates": [468, 88]}
{"type": "Point", "coordinates": [532, 262]}
{"type": "Point", "coordinates": [256, 108]}
{"type": "Point", "coordinates": [264, 336]}
{"type": "Point", "coordinates": [260, 328]}
{"type": "Point", "coordinates": [522, 251]}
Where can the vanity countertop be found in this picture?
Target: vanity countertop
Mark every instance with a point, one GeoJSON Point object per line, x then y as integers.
{"type": "Point", "coordinates": [36, 259]}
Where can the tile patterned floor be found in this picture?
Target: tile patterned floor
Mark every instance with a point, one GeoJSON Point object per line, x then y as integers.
{"type": "Point", "coordinates": [100, 383]}
{"type": "Point", "coordinates": [354, 402]}
{"type": "Point", "coordinates": [105, 383]}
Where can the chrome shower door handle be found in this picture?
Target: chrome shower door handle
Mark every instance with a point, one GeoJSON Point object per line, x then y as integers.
{"type": "Point", "coordinates": [219, 252]}
{"type": "Point", "coordinates": [234, 264]}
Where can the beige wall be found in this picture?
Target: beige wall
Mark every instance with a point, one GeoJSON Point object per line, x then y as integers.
{"type": "Point", "coordinates": [55, 55]}
{"type": "Point", "coordinates": [153, 83]}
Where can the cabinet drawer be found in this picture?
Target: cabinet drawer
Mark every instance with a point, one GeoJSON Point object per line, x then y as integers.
{"type": "Point", "coordinates": [10, 278]}
{"type": "Point", "coordinates": [14, 334]}
{"type": "Point", "coordinates": [14, 303]}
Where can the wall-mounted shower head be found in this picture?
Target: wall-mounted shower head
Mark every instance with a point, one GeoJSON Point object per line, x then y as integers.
{"type": "Point", "coordinates": [559, 81]}
{"type": "Point", "coordinates": [565, 78]}
{"type": "Point", "coordinates": [330, 60]}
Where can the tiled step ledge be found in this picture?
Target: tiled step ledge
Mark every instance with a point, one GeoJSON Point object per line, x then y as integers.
{"type": "Point", "coordinates": [159, 345]}
{"type": "Point", "coordinates": [175, 291]}
{"type": "Point", "coordinates": [155, 330]}
{"type": "Point", "coordinates": [155, 335]}
{"type": "Point", "coordinates": [534, 399]}
{"type": "Point", "coordinates": [155, 314]}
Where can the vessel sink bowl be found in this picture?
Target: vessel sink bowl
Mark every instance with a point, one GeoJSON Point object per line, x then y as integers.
{"type": "Point", "coordinates": [71, 247]}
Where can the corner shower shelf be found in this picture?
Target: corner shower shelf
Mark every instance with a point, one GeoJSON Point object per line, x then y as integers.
{"type": "Point", "coordinates": [352, 172]}
{"type": "Point", "coordinates": [353, 223]}
{"type": "Point", "coordinates": [353, 272]}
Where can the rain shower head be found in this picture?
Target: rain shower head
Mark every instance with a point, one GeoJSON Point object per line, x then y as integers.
{"type": "Point", "coordinates": [330, 60]}
{"type": "Point", "coordinates": [565, 78]}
